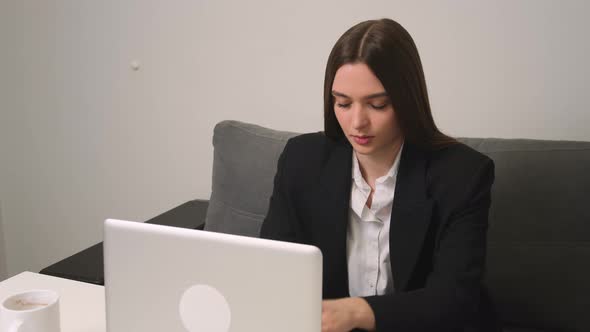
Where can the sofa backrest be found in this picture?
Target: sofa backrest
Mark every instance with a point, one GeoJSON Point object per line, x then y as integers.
{"type": "Point", "coordinates": [244, 164]}
{"type": "Point", "coordinates": [539, 236]}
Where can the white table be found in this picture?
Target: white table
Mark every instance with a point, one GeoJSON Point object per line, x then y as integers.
{"type": "Point", "coordinates": [82, 305]}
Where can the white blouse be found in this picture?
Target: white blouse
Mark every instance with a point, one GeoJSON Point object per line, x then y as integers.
{"type": "Point", "coordinates": [369, 270]}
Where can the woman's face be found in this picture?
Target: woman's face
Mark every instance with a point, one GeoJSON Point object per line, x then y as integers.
{"type": "Point", "coordinates": [364, 112]}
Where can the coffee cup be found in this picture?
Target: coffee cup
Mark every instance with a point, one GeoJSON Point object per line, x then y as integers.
{"type": "Point", "coordinates": [30, 311]}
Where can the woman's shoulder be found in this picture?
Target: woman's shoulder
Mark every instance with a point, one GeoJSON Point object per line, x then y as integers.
{"type": "Point", "coordinates": [459, 163]}
{"type": "Point", "coordinates": [309, 140]}
{"type": "Point", "coordinates": [310, 145]}
{"type": "Point", "coordinates": [457, 175]}
{"type": "Point", "coordinates": [458, 154]}
{"type": "Point", "coordinates": [307, 155]}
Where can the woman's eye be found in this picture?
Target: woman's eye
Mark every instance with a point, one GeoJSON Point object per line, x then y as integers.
{"type": "Point", "coordinates": [343, 105]}
{"type": "Point", "coordinates": [379, 107]}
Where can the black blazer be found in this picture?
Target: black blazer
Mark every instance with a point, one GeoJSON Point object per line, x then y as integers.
{"type": "Point", "coordinates": [437, 236]}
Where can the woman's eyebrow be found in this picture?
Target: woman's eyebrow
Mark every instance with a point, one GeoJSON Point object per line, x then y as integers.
{"type": "Point", "coordinates": [371, 96]}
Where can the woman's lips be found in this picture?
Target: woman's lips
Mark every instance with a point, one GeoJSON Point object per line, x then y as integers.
{"type": "Point", "coordinates": [362, 140]}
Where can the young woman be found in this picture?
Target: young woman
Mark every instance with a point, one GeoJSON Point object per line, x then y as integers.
{"type": "Point", "coordinates": [398, 209]}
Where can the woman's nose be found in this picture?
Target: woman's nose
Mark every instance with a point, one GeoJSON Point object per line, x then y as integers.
{"type": "Point", "coordinates": [359, 117]}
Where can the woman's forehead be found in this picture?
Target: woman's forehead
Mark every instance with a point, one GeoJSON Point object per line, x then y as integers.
{"type": "Point", "coordinates": [356, 81]}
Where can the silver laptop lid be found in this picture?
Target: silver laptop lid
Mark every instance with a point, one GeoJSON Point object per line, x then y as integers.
{"type": "Point", "coordinates": [161, 278]}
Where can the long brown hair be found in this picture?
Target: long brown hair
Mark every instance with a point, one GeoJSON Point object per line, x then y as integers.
{"type": "Point", "coordinates": [389, 50]}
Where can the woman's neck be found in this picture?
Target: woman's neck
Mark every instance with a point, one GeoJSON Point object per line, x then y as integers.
{"type": "Point", "coordinates": [376, 165]}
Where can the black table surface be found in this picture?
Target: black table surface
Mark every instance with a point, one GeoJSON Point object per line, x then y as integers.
{"type": "Point", "coordinates": [87, 265]}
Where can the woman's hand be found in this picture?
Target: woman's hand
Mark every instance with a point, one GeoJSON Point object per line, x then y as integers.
{"type": "Point", "coordinates": [344, 315]}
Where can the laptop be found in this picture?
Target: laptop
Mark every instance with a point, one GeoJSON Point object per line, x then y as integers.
{"type": "Point", "coordinates": [163, 278]}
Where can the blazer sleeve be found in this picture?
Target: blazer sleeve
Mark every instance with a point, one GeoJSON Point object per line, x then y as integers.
{"type": "Point", "coordinates": [281, 222]}
{"type": "Point", "coordinates": [451, 292]}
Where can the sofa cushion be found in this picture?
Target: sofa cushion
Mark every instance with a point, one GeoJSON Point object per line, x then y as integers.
{"type": "Point", "coordinates": [539, 236]}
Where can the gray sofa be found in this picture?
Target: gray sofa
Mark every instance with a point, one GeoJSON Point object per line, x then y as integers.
{"type": "Point", "coordinates": [539, 236]}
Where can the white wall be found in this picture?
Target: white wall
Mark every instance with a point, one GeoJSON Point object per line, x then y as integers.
{"type": "Point", "coordinates": [92, 139]}
{"type": "Point", "coordinates": [8, 98]}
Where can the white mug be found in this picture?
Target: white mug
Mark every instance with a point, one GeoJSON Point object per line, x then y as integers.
{"type": "Point", "coordinates": [30, 311]}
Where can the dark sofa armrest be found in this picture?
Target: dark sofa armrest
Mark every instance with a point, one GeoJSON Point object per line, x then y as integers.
{"type": "Point", "coordinates": [188, 215]}
{"type": "Point", "coordinates": [87, 265]}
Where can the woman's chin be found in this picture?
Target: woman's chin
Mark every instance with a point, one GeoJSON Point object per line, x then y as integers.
{"type": "Point", "coordinates": [363, 149]}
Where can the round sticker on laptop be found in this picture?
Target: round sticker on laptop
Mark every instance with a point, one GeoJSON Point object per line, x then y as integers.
{"type": "Point", "coordinates": [204, 308]}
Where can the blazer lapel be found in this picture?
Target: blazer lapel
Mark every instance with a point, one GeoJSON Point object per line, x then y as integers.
{"type": "Point", "coordinates": [410, 215]}
{"type": "Point", "coordinates": [334, 202]}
